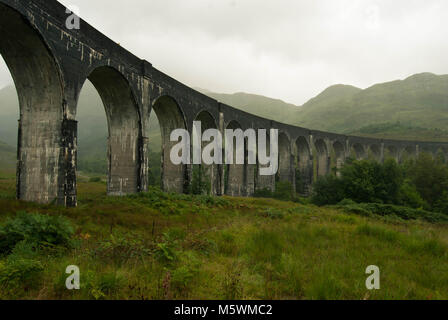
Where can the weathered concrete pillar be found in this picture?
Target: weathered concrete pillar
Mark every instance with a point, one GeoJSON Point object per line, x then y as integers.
{"type": "Point", "coordinates": [175, 178]}
{"type": "Point", "coordinates": [250, 179]}
{"type": "Point", "coordinates": [144, 164]}
{"type": "Point", "coordinates": [70, 145]}
{"type": "Point", "coordinates": [304, 176]}
{"type": "Point", "coordinates": [46, 141]}
{"type": "Point", "coordinates": [264, 182]}
{"type": "Point", "coordinates": [236, 177]}
{"type": "Point", "coordinates": [221, 167]}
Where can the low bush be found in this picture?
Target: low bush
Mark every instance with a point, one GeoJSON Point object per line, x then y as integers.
{"type": "Point", "coordinates": [263, 193]}
{"type": "Point", "coordinates": [120, 249]}
{"type": "Point", "coordinates": [36, 229]}
{"type": "Point", "coordinates": [405, 213]}
{"type": "Point", "coordinates": [328, 190]}
{"type": "Point", "coordinates": [283, 191]}
{"type": "Point", "coordinates": [20, 272]}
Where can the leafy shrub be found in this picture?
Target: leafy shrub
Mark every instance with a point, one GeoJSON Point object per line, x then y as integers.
{"type": "Point", "coordinates": [284, 191]}
{"type": "Point", "coordinates": [200, 182]}
{"type": "Point", "coordinates": [39, 230]}
{"type": "Point", "coordinates": [442, 204]}
{"type": "Point", "coordinates": [409, 196]}
{"type": "Point", "coordinates": [430, 178]}
{"type": "Point", "coordinates": [263, 193]}
{"type": "Point", "coordinates": [109, 283]}
{"type": "Point", "coordinates": [327, 190]}
{"type": "Point", "coordinates": [227, 243]}
{"type": "Point", "coordinates": [392, 210]}
{"type": "Point", "coordinates": [120, 249]}
{"type": "Point", "coordinates": [370, 181]}
{"type": "Point", "coordinates": [166, 250]}
{"type": "Point", "coordinates": [174, 203]}
{"type": "Point", "coordinates": [181, 277]}
{"type": "Point", "coordinates": [20, 272]}
{"type": "Point", "coordinates": [95, 179]}
{"type": "Point", "coordinates": [416, 184]}
{"type": "Point", "coordinates": [184, 275]}
{"type": "Point", "coordinates": [347, 202]}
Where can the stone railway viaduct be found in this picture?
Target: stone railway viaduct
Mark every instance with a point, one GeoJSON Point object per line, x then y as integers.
{"type": "Point", "coordinates": [50, 64]}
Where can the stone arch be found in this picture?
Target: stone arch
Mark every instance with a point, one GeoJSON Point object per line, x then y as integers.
{"type": "Point", "coordinates": [208, 174]}
{"type": "Point", "coordinates": [339, 153]}
{"type": "Point", "coordinates": [323, 157]}
{"type": "Point", "coordinates": [374, 152]}
{"type": "Point", "coordinates": [235, 174]}
{"type": "Point", "coordinates": [174, 177]}
{"type": "Point", "coordinates": [391, 152]}
{"type": "Point", "coordinates": [442, 154]}
{"type": "Point", "coordinates": [42, 159]}
{"type": "Point", "coordinates": [359, 151]}
{"type": "Point", "coordinates": [407, 153]}
{"type": "Point", "coordinates": [124, 130]}
{"type": "Point", "coordinates": [304, 166]}
{"type": "Point", "coordinates": [426, 150]}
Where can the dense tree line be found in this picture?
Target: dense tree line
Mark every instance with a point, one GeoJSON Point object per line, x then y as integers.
{"type": "Point", "coordinates": [420, 183]}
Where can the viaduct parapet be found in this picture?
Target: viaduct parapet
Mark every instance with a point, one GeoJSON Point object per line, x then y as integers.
{"type": "Point", "coordinates": [50, 64]}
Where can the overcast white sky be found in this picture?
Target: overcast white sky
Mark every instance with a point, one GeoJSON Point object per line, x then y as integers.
{"type": "Point", "coordinates": [286, 49]}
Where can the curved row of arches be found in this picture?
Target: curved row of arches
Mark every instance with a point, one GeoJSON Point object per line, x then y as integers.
{"type": "Point", "coordinates": [47, 130]}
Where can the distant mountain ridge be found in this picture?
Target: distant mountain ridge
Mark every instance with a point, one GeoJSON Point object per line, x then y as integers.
{"type": "Point", "coordinates": [420, 100]}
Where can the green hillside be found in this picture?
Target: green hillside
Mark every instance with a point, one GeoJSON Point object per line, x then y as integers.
{"type": "Point", "coordinates": [420, 101]}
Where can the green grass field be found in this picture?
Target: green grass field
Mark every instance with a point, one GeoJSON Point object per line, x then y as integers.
{"type": "Point", "coordinates": [160, 246]}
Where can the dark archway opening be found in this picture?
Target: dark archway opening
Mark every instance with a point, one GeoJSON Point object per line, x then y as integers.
{"type": "Point", "coordinates": [92, 168]}
{"type": "Point", "coordinates": [205, 177]}
{"type": "Point", "coordinates": [391, 152]}
{"type": "Point", "coordinates": [408, 154]}
{"type": "Point", "coordinates": [173, 178]}
{"type": "Point", "coordinates": [123, 131]}
{"type": "Point", "coordinates": [374, 152]}
{"type": "Point", "coordinates": [358, 152]}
